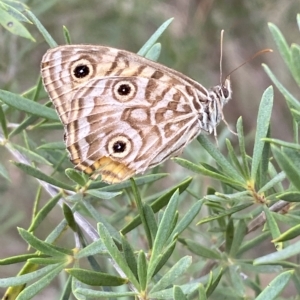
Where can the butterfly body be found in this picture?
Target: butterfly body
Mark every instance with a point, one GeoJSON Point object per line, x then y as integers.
{"type": "Point", "coordinates": [123, 113]}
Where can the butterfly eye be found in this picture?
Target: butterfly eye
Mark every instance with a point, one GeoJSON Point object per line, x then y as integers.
{"type": "Point", "coordinates": [119, 146]}
{"type": "Point", "coordinates": [124, 90]}
{"type": "Point", "coordinates": [225, 92]}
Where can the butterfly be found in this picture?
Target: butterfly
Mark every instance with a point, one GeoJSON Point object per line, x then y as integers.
{"type": "Point", "coordinates": [123, 113]}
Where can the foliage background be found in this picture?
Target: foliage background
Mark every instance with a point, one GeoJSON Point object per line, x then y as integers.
{"type": "Point", "coordinates": [190, 45]}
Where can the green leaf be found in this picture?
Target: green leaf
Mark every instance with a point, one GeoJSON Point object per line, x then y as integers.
{"type": "Point", "coordinates": [33, 156]}
{"type": "Point", "coordinates": [168, 278]}
{"type": "Point", "coordinates": [36, 287]}
{"type": "Point", "coordinates": [69, 217]}
{"type": "Point", "coordinates": [39, 175]}
{"type": "Point", "coordinates": [13, 25]}
{"type": "Point", "coordinates": [204, 171]}
{"type": "Point", "coordinates": [187, 219]}
{"type": "Point", "coordinates": [142, 270]}
{"type": "Point", "coordinates": [106, 295]}
{"type": "Point", "coordinates": [289, 196]}
{"type": "Point", "coordinates": [285, 253]}
{"type": "Point", "coordinates": [224, 213]}
{"type": "Point", "coordinates": [67, 35]}
{"type": "Point", "coordinates": [263, 123]}
{"type": "Point", "coordinates": [276, 286]}
{"type": "Point", "coordinates": [158, 203]}
{"type": "Point", "coordinates": [23, 279]}
{"type": "Point", "coordinates": [220, 159]}
{"type": "Point", "coordinates": [274, 181]}
{"type": "Point", "coordinates": [43, 213]}
{"type": "Point", "coordinates": [4, 173]}
{"type": "Point", "coordinates": [116, 255]}
{"type": "Point", "coordinates": [288, 235]}
{"type": "Point", "coordinates": [96, 247]}
{"type": "Point", "coordinates": [213, 283]}
{"type": "Point", "coordinates": [281, 44]}
{"type": "Point", "coordinates": [239, 234]}
{"type": "Point", "coordinates": [28, 106]}
{"type": "Point", "coordinates": [42, 29]}
{"type": "Point", "coordinates": [42, 246]}
{"type": "Point", "coordinates": [154, 52]}
{"type": "Point", "coordinates": [282, 143]}
{"type": "Point", "coordinates": [96, 278]}
{"type": "Point", "coordinates": [75, 176]}
{"type": "Point", "coordinates": [288, 166]}
{"type": "Point", "coordinates": [103, 195]}
{"type": "Point", "coordinates": [150, 220]}
{"type": "Point", "coordinates": [202, 294]}
{"type": "Point", "coordinates": [295, 56]}
{"type": "Point", "coordinates": [19, 258]}
{"type": "Point", "coordinates": [53, 146]}
{"type": "Point", "coordinates": [202, 250]}
{"type": "Point", "coordinates": [3, 122]}
{"type": "Point", "coordinates": [163, 233]}
{"type": "Point", "coordinates": [272, 226]}
{"type": "Point", "coordinates": [178, 293]}
{"type": "Point", "coordinates": [152, 40]}
{"type": "Point", "coordinates": [129, 256]}
{"type": "Point", "coordinates": [291, 100]}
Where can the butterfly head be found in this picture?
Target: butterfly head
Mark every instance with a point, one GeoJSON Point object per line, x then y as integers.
{"type": "Point", "coordinates": [225, 92]}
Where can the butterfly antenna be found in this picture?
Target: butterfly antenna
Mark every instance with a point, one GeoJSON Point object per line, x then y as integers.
{"type": "Point", "coordinates": [249, 59]}
{"type": "Point", "coordinates": [221, 55]}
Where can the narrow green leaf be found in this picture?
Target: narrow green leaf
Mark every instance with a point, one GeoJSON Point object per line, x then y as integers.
{"type": "Point", "coordinates": [288, 235]}
{"type": "Point", "coordinates": [100, 219]}
{"type": "Point", "coordinates": [103, 195]}
{"type": "Point", "coordinates": [23, 279]}
{"type": "Point", "coordinates": [152, 40]}
{"type": "Point", "coordinates": [276, 286]}
{"type": "Point", "coordinates": [263, 123]}
{"type": "Point", "coordinates": [285, 253]}
{"type": "Point", "coordinates": [94, 248]}
{"type": "Point", "coordinates": [69, 217]}
{"type": "Point", "coordinates": [252, 243]}
{"type": "Point", "coordinates": [28, 106]}
{"type": "Point", "coordinates": [4, 173]}
{"type": "Point", "coordinates": [282, 143]}
{"type": "Point", "coordinates": [202, 250]}
{"type": "Point", "coordinates": [281, 43]}
{"type": "Point", "coordinates": [96, 278]}
{"type": "Point", "coordinates": [187, 219]}
{"type": "Point", "coordinates": [150, 221]}
{"type": "Point", "coordinates": [236, 281]}
{"type": "Point", "coordinates": [142, 270]}
{"type": "Point", "coordinates": [202, 294]}
{"type": "Point", "coordinates": [164, 257]}
{"type": "Point", "coordinates": [219, 158]}
{"type": "Point", "coordinates": [66, 293]}
{"type": "Point", "coordinates": [272, 226]}
{"type": "Point", "coordinates": [43, 213]}
{"type": "Point", "coordinates": [36, 287]}
{"type": "Point", "coordinates": [129, 256]}
{"type": "Point", "coordinates": [288, 166]}
{"type": "Point", "coordinates": [176, 271]}
{"type": "Point", "coordinates": [15, 13]}
{"type": "Point", "coordinates": [239, 234]}
{"type": "Point", "coordinates": [19, 258]}
{"type": "Point", "coordinates": [139, 205]}
{"type": "Point", "coordinates": [42, 29]}
{"type": "Point", "coordinates": [291, 100]}
{"type": "Point", "coordinates": [274, 181]}
{"type": "Point", "coordinates": [13, 25]}
{"type": "Point", "coordinates": [47, 261]}
{"type": "Point", "coordinates": [158, 203]}
{"type": "Point", "coordinates": [163, 232]}
{"type": "Point", "coordinates": [116, 255]}
{"type": "Point", "coordinates": [233, 157]}
{"type": "Point", "coordinates": [3, 122]}
{"type": "Point", "coordinates": [67, 35]}
{"type": "Point", "coordinates": [105, 295]}
{"type": "Point", "coordinates": [53, 146]}
{"type": "Point", "coordinates": [142, 180]}
{"type": "Point", "coordinates": [241, 138]}
{"type": "Point", "coordinates": [229, 234]}
{"type": "Point", "coordinates": [39, 175]}
{"type": "Point", "coordinates": [42, 246]}
{"type": "Point", "coordinates": [154, 52]}
{"type": "Point", "coordinates": [75, 176]}
{"type": "Point", "coordinates": [214, 282]}
{"type": "Point", "coordinates": [178, 293]}
{"type": "Point", "coordinates": [295, 65]}
{"type": "Point", "coordinates": [289, 196]}
{"type": "Point", "coordinates": [204, 171]}
{"type": "Point", "coordinates": [224, 213]}
{"type": "Point", "coordinates": [33, 156]}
